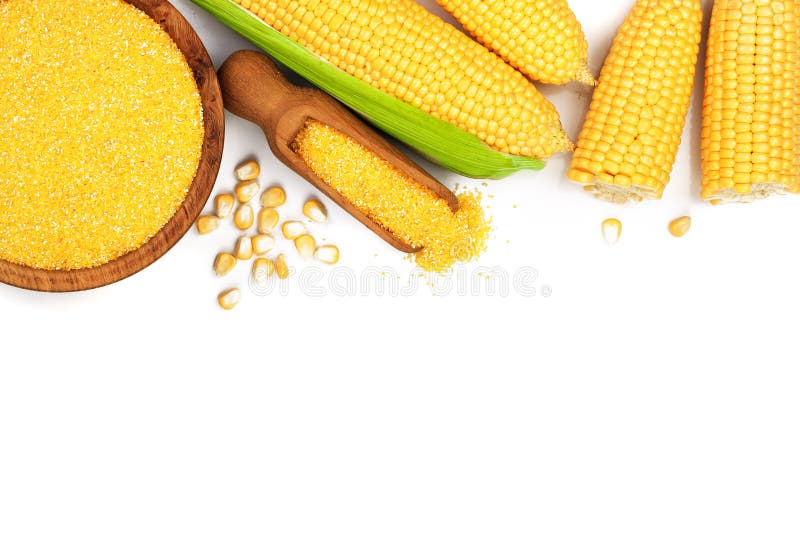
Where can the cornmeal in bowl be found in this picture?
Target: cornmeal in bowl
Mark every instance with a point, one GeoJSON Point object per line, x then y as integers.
{"type": "Point", "coordinates": [101, 131]}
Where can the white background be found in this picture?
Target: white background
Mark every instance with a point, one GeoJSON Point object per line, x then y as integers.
{"type": "Point", "coordinates": [655, 390]}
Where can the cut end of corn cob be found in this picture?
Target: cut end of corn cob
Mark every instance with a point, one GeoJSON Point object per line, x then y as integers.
{"type": "Point", "coordinates": [751, 105]}
{"type": "Point", "coordinates": [629, 141]}
{"type": "Point", "coordinates": [616, 189]}
{"type": "Point", "coordinates": [743, 193]}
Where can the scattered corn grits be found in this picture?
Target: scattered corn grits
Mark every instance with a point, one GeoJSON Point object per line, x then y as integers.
{"type": "Point", "coordinates": [413, 213]}
{"type": "Point", "coordinates": [102, 131]}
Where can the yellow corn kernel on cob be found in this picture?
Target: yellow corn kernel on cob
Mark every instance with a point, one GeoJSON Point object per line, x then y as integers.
{"type": "Point", "coordinates": [751, 112]}
{"type": "Point", "coordinates": [541, 38]}
{"type": "Point", "coordinates": [399, 47]}
{"type": "Point", "coordinates": [628, 144]}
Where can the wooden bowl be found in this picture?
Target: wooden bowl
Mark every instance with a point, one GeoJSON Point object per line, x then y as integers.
{"type": "Point", "coordinates": [196, 55]}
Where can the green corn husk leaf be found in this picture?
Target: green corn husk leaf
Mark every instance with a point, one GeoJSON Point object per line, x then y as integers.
{"type": "Point", "coordinates": [441, 142]}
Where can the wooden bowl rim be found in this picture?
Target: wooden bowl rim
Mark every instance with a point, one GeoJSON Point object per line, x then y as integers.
{"type": "Point", "coordinates": [187, 40]}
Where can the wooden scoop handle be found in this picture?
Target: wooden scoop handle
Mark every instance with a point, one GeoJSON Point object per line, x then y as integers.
{"type": "Point", "coordinates": [256, 90]}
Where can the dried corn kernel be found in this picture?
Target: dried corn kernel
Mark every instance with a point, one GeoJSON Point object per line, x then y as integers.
{"type": "Point", "coordinates": [230, 298]}
{"type": "Point", "coordinates": [262, 243]}
{"type": "Point", "coordinates": [247, 190]}
{"type": "Point", "coordinates": [224, 204]}
{"type": "Point", "coordinates": [273, 197]}
{"type": "Point", "coordinates": [327, 254]}
{"type": "Point", "coordinates": [410, 211]}
{"type": "Point", "coordinates": [314, 210]}
{"type": "Point", "coordinates": [293, 229]}
{"type": "Point", "coordinates": [247, 170]}
{"type": "Point", "coordinates": [281, 267]}
{"type": "Point", "coordinates": [98, 144]}
{"type": "Point", "coordinates": [751, 80]}
{"type": "Point", "coordinates": [680, 226]}
{"type": "Point", "coordinates": [244, 248]}
{"type": "Point", "coordinates": [612, 229]}
{"type": "Point", "coordinates": [263, 268]}
{"type": "Point", "coordinates": [305, 245]}
{"type": "Point", "coordinates": [243, 217]}
{"type": "Point", "coordinates": [224, 263]}
{"type": "Point", "coordinates": [267, 220]}
{"type": "Point", "coordinates": [207, 223]}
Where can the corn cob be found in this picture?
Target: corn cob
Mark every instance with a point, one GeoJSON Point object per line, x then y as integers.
{"type": "Point", "coordinates": [751, 112]}
{"type": "Point", "coordinates": [400, 48]}
{"type": "Point", "coordinates": [541, 38]}
{"type": "Point", "coordinates": [628, 144]}
{"type": "Point", "coordinates": [409, 71]}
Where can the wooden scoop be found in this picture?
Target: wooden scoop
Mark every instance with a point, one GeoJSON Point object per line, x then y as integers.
{"type": "Point", "coordinates": [254, 89]}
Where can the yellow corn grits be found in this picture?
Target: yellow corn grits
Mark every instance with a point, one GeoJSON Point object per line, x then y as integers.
{"type": "Point", "coordinates": [102, 131]}
{"type": "Point", "coordinates": [410, 211]}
